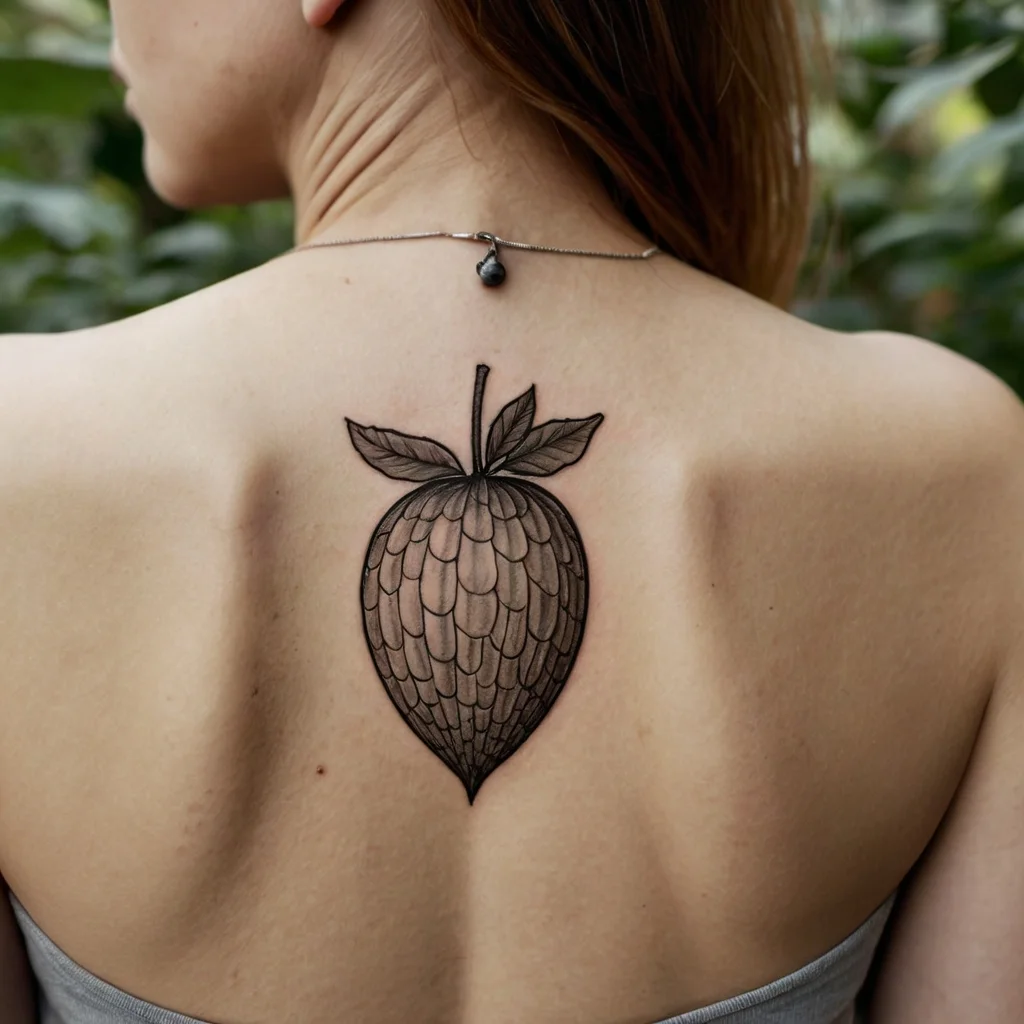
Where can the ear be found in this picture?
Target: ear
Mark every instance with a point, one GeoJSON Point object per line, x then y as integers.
{"type": "Point", "coordinates": [319, 13]}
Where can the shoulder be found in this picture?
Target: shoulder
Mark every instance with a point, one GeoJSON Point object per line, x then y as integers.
{"type": "Point", "coordinates": [113, 446]}
{"type": "Point", "coordinates": [962, 910]}
{"type": "Point", "coordinates": [883, 456]}
{"type": "Point", "coordinates": [956, 430]}
{"type": "Point", "coordinates": [923, 401]}
{"type": "Point", "coordinates": [124, 397]}
{"type": "Point", "coordinates": [931, 375]}
{"type": "Point", "coordinates": [123, 487]}
{"type": "Point", "coordinates": [955, 422]}
{"type": "Point", "coordinates": [136, 415]}
{"type": "Point", "coordinates": [829, 395]}
{"type": "Point", "coordinates": [862, 387]}
{"type": "Point", "coordinates": [953, 426]}
{"type": "Point", "coordinates": [77, 407]}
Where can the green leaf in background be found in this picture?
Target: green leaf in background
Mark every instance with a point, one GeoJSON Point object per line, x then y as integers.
{"type": "Point", "coordinates": [192, 242]}
{"type": "Point", "coordinates": [985, 147]}
{"type": "Point", "coordinates": [914, 226]}
{"type": "Point", "coordinates": [934, 83]}
{"type": "Point", "coordinates": [70, 216]}
{"type": "Point", "coordinates": [1011, 227]}
{"type": "Point", "coordinates": [33, 86]}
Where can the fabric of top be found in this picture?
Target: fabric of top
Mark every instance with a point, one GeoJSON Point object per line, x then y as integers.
{"type": "Point", "coordinates": [822, 992]}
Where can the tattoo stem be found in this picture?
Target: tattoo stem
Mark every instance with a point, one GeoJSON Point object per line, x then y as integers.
{"type": "Point", "coordinates": [478, 411]}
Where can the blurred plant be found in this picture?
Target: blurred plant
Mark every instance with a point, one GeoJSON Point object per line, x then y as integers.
{"type": "Point", "coordinates": [920, 158]}
{"type": "Point", "coordinates": [919, 143]}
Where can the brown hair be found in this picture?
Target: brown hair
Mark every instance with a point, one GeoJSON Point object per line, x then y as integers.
{"type": "Point", "coordinates": [693, 113]}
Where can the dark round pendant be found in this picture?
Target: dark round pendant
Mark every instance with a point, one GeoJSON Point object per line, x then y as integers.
{"type": "Point", "coordinates": [491, 271]}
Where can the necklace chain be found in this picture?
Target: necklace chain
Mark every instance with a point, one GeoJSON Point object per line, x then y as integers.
{"type": "Point", "coordinates": [485, 236]}
{"type": "Point", "coordinates": [490, 269]}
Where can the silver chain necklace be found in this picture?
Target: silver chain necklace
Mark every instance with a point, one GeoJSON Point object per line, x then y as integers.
{"type": "Point", "coordinates": [491, 270]}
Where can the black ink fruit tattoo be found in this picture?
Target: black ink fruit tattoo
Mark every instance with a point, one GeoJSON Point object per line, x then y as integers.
{"type": "Point", "coordinates": [474, 591]}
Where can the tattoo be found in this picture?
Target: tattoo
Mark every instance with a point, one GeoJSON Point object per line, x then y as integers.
{"type": "Point", "coordinates": [474, 591]}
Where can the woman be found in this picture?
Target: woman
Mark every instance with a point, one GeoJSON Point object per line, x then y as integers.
{"type": "Point", "coordinates": [326, 700]}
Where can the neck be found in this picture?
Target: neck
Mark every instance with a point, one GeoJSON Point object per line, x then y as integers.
{"type": "Point", "coordinates": [420, 147]}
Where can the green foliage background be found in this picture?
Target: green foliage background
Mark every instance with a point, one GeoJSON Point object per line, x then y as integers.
{"type": "Point", "coordinates": [918, 141]}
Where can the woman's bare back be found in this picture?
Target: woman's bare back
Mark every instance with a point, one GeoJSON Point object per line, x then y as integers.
{"type": "Point", "coordinates": [206, 795]}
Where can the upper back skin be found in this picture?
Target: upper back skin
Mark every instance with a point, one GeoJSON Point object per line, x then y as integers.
{"type": "Point", "coordinates": [206, 796]}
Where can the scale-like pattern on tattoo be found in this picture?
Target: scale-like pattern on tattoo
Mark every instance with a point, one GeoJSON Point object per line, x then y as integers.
{"type": "Point", "coordinates": [474, 590]}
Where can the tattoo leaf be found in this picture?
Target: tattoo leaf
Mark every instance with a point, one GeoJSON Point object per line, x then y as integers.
{"type": "Point", "coordinates": [552, 446]}
{"type": "Point", "coordinates": [510, 426]}
{"type": "Point", "coordinates": [402, 456]}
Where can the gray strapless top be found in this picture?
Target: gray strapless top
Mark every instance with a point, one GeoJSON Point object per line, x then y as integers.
{"type": "Point", "coordinates": [822, 992]}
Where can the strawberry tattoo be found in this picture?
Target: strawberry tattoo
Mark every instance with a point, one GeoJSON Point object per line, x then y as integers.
{"type": "Point", "coordinates": [474, 591]}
